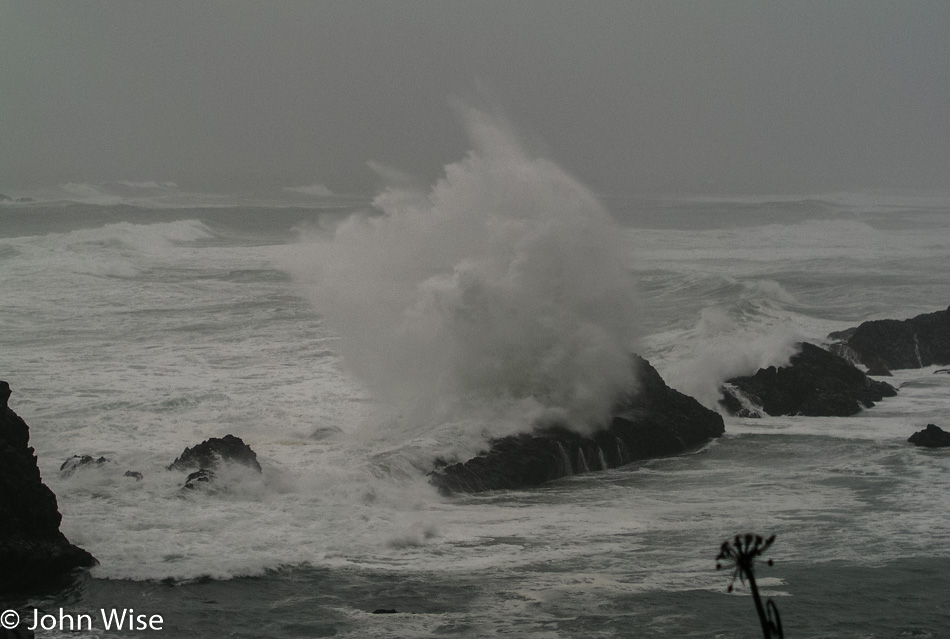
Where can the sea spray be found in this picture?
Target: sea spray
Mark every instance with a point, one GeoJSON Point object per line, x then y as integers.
{"type": "Point", "coordinates": [495, 301]}
{"type": "Point", "coordinates": [719, 348]}
{"type": "Point", "coordinates": [137, 368]}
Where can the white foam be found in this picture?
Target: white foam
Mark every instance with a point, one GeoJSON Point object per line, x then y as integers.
{"type": "Point", "coordinates": [719, 348]}
{"type": "Point", "coordinates": [132, 341]}
{"type": "Point", "coordinates": [154, 194]}
{"type": "Point", "coordinates": [497, 299]}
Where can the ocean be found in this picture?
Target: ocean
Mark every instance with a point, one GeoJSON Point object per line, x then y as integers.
{"type": "Point", "coordinates": [132, 328]}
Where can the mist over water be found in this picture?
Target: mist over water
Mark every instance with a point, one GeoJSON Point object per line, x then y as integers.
{"type": "Point", "coordinates": [495, 301]}
{"type": "Point", "coordinates": [131, 333]}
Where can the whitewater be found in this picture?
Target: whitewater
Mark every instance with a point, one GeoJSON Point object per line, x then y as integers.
{"type": "Point", "coordinates": [132, 330]}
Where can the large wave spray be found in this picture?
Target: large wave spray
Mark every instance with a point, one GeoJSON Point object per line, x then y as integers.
{"type": "Point", "coordinates": [498, 299]}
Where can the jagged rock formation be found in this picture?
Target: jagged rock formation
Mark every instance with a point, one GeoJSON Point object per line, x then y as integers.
{"type": "Point", "coordinates": [931, 437]}
{"type": "Point", "coordinates": [77, 461]}
{"type": "Point", "coordinates": [654, 422]}
{"type": "Point", "coordinates": [211, 452]}
{"type": "Point", "coordinates": [208, 455]}
{"type": "Point", "coordinates": [74, 463]}
{"type": "Point", "coordinates": [814, 383]}
{"type": "Point", "coordinates": [34, 554]}
{"type": "Point", "coordinates": [883, 345]}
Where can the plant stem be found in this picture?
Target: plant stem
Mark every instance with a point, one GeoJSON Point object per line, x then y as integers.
{"type": "Point", "coordinates": [766, 629]}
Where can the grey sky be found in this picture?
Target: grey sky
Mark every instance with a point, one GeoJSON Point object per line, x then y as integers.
{"type": "Point", "coordinates": [630, 96]}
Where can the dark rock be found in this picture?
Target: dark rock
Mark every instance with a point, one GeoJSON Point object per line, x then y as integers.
{"type": "Point", "coordinates": [385, 611]}
{"type": "Point", "coordinates": [877, 368]}
{"type": "Point", "coordinates": [931, 437]}
{"type": "Point", "coordinates": [195, 479]}
{"type": "Point", "coordinates": [76, 461]}
{"type": "Point", "coordinates": [815, 383]}
{"type": "Point", "coordinates": [893, 344]}
{"type": "Point", "coordinates": [209, 453]}
{"type": "Point", "coordinates": [34, 554]}
{"type": "Point", "coordinates": [738, 404]}
{"type": "Point", "coordinates": [653, 422]}
{"type": "Point", "coordinates": [22, 630]}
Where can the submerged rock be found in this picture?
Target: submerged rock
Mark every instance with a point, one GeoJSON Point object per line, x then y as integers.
{"type": "Point", "coordinates": [893, 344]}
{"type": "Point", "coordinates": [34, 554]}
{"type": "Point", "coordinates": [815, 383]}
{"type": "Point", "coordinates": [76, 461]}
{"type": "Point", "coordinates": [655, 421]}
{"type": "Point", "coordinates": [932, 437]}
{"type": "Point", "coordinates": [197, 478]}
{"type": "Point", "coordinates": [738, 403]}
{"type": "Point", "coordinates": [209, 453]}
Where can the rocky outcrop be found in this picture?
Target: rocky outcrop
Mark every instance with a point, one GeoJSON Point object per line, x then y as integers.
{"type": "Point", "coordinates": [655, 421]}
{"type": "Point", "coordinates": [815, 382]}
{"type": "Point", "coordinates": [210, 453]}
{"type": "Point", "coordinates": [34, 554]}
{"type": "Point", "coordinates": [78, 461]}
{"type": "Point", "coordinates": [931, 437]}
{"type": "Point", "coordinates": [893, 344]}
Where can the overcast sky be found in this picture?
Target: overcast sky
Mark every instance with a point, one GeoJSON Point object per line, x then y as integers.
{"type": "Point", "coordinates": [632, 97]}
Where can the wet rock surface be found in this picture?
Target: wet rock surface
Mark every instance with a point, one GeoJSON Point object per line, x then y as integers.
{"type": "Point", "coordinates": [884, 345]}
{"type": "Point", "coordinates": [815, 383]}
{"type": "Point", "coordinates": [34, 554]}
{"type": "Point", "coordinates": [198, 478]}
{"type": "Point", "coordinates": [211, 452]}
{"type": "Point", "coordinates": [75, 462]}
{"type": "Point", "coordinates": [655, 421]}
{"type": "Point", "coordinates": [931, 437]}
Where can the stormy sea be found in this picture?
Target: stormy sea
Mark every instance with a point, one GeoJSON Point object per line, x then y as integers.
{"type": "Point", "coordinates": [353, 341]}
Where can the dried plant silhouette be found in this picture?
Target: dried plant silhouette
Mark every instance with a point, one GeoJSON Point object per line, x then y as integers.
{"type": "Point", "coordinates": [741, 552]}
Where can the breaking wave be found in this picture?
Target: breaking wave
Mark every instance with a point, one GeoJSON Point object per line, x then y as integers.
{"type": "Point", "coordinates": [494, 301]}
